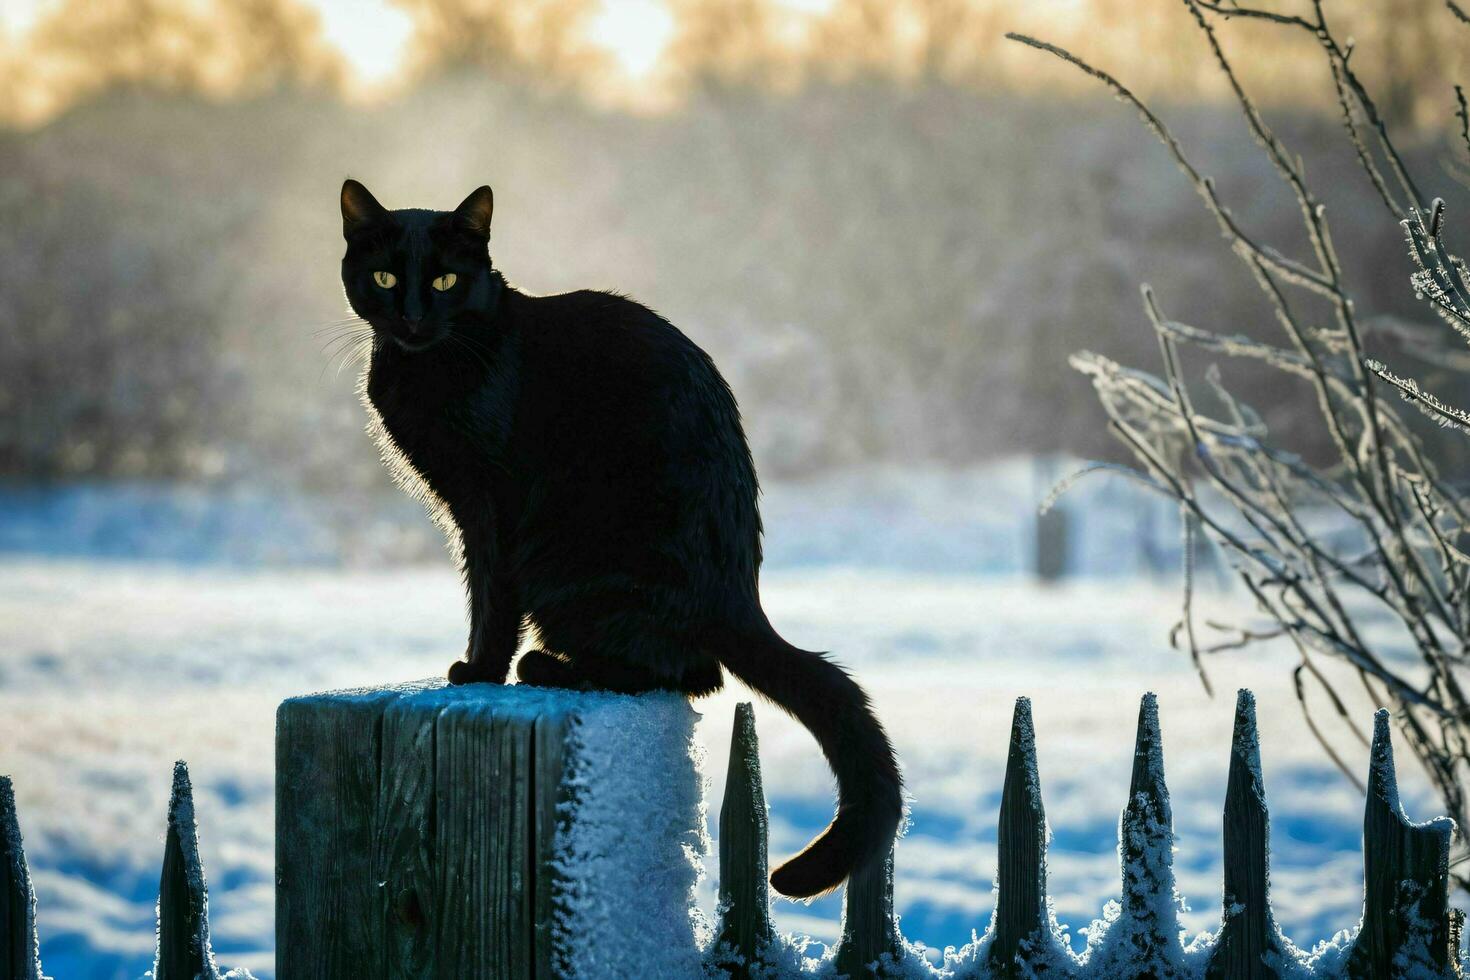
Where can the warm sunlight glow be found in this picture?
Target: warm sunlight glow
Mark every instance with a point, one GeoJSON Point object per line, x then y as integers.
{"type": "Point", "coordinates": [372, 34]}
{"type": "Point", "coordinates": [16, 16]}
{"type": "Point", "coordinates": [635, 31]}
{"type": "Point", "coordinates": [642, 56]}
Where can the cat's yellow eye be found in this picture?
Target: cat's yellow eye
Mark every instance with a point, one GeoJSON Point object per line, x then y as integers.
{"type": "Point", "coordinates": [445, 281]}
{"type": "Point", "coordinates": [385, 279]}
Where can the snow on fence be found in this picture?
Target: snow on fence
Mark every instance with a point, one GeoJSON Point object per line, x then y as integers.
{"type": "Point", "coordinates": [183, 951]}
{"type": "Point", "coordinates": [425, 831]}
{"type": "Point", "coordinates": [1408, 929]}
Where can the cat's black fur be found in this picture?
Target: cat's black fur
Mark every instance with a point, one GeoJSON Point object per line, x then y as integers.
{"type": "Point", "coordinates": [588, 461]}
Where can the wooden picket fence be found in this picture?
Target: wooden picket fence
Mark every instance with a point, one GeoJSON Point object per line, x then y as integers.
{"type": "Point", "coordinates": [1407, 929]}
{"type": "Point", "coordinates": [183, 951]}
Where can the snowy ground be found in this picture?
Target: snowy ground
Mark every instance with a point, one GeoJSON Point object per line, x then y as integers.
{"type": "Point", "coordinates": [109, 671]}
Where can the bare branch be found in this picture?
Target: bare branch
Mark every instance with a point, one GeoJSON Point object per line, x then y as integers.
{"type": "Point", "coordinates": [1432, 407]}
{"type": "Point", "coordinates": [1323, 553]}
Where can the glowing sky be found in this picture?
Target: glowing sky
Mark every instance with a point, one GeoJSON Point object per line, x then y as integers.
{"type": "Point", "coordinates": [373, 33]}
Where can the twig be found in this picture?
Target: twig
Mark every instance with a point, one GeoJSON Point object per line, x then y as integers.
{"type": "Point", "coordinates": [1400, 546]}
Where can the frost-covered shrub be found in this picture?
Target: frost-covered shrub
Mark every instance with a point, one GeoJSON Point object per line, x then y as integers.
{"type": "Point", "coordinates": [1358, 559]}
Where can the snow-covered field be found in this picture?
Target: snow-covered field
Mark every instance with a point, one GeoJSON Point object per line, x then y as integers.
{"type": "Point", "coordinates": [111, 670]}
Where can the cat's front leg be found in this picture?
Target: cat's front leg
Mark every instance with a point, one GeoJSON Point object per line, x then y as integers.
{"type": "Point", "coordinates": [495, 616]}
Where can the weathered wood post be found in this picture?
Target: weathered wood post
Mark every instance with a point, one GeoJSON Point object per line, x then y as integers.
{"type": "Point", "coordinates": [1407, 926]}
{"type": "Point", "coordinates": [1020, 914]}
{"type": "Point", "coordinates": [1144, 940]}
{"type": "Point", "coordinates": [485, 831]}
{"type": "Point", "coordinates": [745, 900]}
{"type": "Point", "coordinates": [1146, 832]}
{"type": "Point", "coordinates": [183, 899]}
{"type": "Point", "coordinates": [869, 929]}
{"type": "Point", "coordinates": [1248, 942]}
{"type": "Point", "coordinates": [19, 949]}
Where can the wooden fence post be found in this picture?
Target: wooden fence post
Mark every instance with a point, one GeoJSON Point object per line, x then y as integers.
{"type": "Point", "coordinates": [1248, 941]}
{"type": "Point", "coordinates": [1053, 538]}
{"type": "Point", "coordinates": [414, 832]}
{"type": "Point", "coordinates": [183, 897]}
{"type": "Point", "coordinates": [1020, 906]}
{"type": "Point", "coordinates": [329, 920]}
{"type": "Point", "coordinates": [403, 814]}
{"type": "Point", "coordinates": [454, 801]}
{"type": "Point", "coordinates": [745, 901]}
{"type": "Point", "coordinates": [418, 830]}
{"type": "Point", "coordinates": [869, 929]}
{"type": "Point", "coordinates": [1407, 926]}
{"type": "Point", "coordinates": [19, 949]}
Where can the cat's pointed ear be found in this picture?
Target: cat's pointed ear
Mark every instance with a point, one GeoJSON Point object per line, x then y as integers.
{"type": "Point", "coordinates": [359, 207]}
{"type": "Point", "coordinates": [474, 212]}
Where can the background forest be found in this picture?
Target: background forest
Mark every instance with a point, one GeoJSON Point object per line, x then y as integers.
{"type": "Point", "coordinates": [889, 228]}
{"type": "Point", "coordinates": [889, 225]}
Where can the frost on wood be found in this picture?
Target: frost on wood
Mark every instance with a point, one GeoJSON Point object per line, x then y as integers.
{"type": "Point", "coordinates": [1139, 935]}
{"type": "Point", "coordinates": [19, 950]}
{"type": "Point", "coordinates": [1022, 938]}
{"type": "Point", "coordinates": [427, 830]}
{"type": "Point", "coordinates": [745, 930]}
{"type": "Point", "coordinates": [183, 897]}
{"type": "Point", "coordinates": [1406, 929]}
{"type": "Point", "coordinates": [630, 850]}
{"type": "Point", "coordinates": [1249, 944]}
{"type": "Point", "coordinates": [870, 942]}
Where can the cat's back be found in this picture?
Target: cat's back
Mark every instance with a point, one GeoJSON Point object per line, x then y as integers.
{"type": "Point", "coordinates": [617, 398]}
{"type": "Point", "coordinates": [598, 345]}
{"type": "Point", "coordinates": [603, 361]}
{"type": "Point", "coordinates": [594, 327]}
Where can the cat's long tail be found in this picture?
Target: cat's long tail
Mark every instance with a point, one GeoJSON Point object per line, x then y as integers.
{"type": "Point", "coordinates": [820, 695]}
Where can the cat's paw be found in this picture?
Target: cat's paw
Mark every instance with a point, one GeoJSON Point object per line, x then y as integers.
{"type": "Point", "coordinates": [470, 672]}
{"type": "Point", "coordinates": [540, 669]}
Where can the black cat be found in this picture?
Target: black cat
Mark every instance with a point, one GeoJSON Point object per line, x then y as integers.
{"type": "Point", "coordinates": [587, 461]}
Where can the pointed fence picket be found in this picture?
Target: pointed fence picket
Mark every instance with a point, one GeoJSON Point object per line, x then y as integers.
{"type": "Point", "coordinates": [1021, 837]}
{"type": "Point", "coordinates": [1146, 846]}
{"type": "Point", "coordinates": [183, 951]}
{"type": "Point", "coordinates": [869, 928]}
{"type": "Point", "coordinates": [19, 949]}
{"type": "Point", "coordinates": [1248, 941]}
{"type": "Point", "coordinates": [183, 899]}
{"type": "Point", "coordinates": [1407, 925]}
{"type": "Point", "coordinates": [1407, 929]}
{"type": "Point", "coordinates": [745, 900]}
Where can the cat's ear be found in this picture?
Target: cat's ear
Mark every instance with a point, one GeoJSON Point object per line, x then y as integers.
{"type": "Point", "coordinates": [359, 207]}
{"type": "Point", "coordinates": [473, 214]}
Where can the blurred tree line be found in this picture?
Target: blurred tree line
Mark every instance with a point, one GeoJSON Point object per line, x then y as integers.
{"type": "Point", "coordinates": [868, 216]}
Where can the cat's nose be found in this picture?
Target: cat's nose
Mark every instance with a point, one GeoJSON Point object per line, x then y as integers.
{"type": "Point", "coordinates": [414, 323]}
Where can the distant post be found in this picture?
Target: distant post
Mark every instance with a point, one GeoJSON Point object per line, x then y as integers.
{"type": "Point", "coordinates": [1051, 544]}
{"type": "Point", "coordinates": [1051, 527]}
{"type": "Point", "coordinates": [483, 831]}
